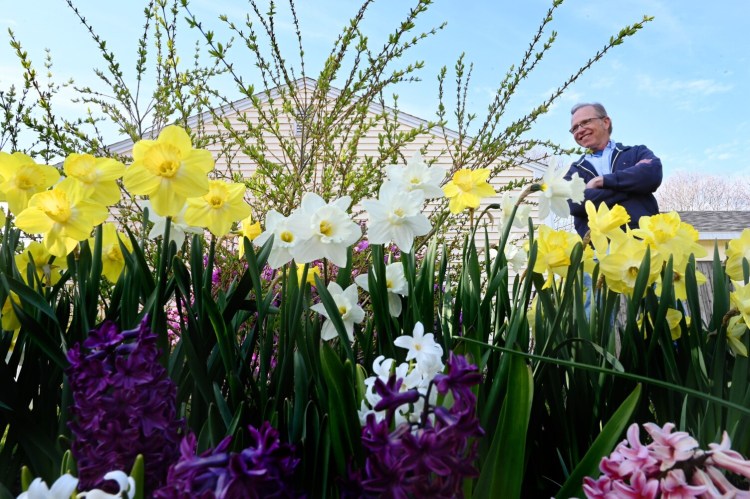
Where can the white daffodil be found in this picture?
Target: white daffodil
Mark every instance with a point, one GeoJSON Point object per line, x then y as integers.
{"type": "Point", "coordinates": [396, 285]}
{"type": "Point", "coordinates": [418, 176]}
{"type": "Point", "coordinates": [346, 303]}
{"type": "Point", "coordinates": [396, 216]}
{"type": "Point", "coordinates": [63, 488]}
{"type": "Point", "coordinates": [422, 348]}
{"type": "Point", "coordinates": [381, 369]}
{"type": "Point", "coordinates": [178, 229]}
{"type": "Point", "coordinates": [126, 483]}
{"type": "Point", "coordinates": [287, 232]}
{"type": "Point", "coordinates": [556, 191]}
{"type": "Point", "coordinates": [332, 230]}
{"type": "Point", "coordinates": [521, 220]}
{"type": "Point", "coordinates": [516, 257]}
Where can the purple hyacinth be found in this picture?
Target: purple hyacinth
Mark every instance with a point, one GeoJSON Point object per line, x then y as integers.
{"type": "Point", "coordinates": [264, 469]}
{"type": "Point", "coordinates": [430, 458]}
{"type": "Point", "coordinates": [123, 405]}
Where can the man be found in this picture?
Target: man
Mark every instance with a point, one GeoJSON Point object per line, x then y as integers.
{"type": "Point", "coordinates": [614, 174]}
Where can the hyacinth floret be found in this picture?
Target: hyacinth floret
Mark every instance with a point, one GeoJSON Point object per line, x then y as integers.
{"type": "Point", "coordinates": [431, 456]}
{"type": "Point", "coordinates": [671, 465]}
{"type": "Point", "coordinates": [123, 405]}
{"type": "Point", "coordinates": [264, 469]}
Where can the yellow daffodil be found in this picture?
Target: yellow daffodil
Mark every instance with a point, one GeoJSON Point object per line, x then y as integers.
{"type": "Point", "coordinates": [249, 230]}
{"type": "Point", "coordinates": [603, 221]}
{"type": "Point", "coordinates": [311, 273]}
{"type": "Point", "coordinates": [9, 321]}
{"type": "Point", "coordinates": [113, 261]}
{"type": "Point", "coordinates": [737, 250]}
{"type": "Point", "coordinates": [673, 318]}
{"type": "Point", "coordinates": [94, 178]}
{"type": "Point", "coordinates": [668, 235]}
{"type": "Point", "coordinates": [735, 331]}
{"type": "Point", "coordinates": [678, 284]}
{"type": "Point", "coordinates": [740, 298]}
{"type": "Point", "coordinates": [223, 205]}
{"type": "Point", "coordinates": [62, 219]}
{"type": "Point", "coordinates": [38, 255]}
{"type": "Point", "coordinates": [467, 188]}
{"type": "Point", "coordinates": [168, 170]}
{"type": "Point", "coordinates": [588, 259]}
{"type": "Point", "coordinates": [553, 252]}
{"type": "Point", "coordinates": [621, 267]}
{"type": "Point", "coordinates": [22, 178]}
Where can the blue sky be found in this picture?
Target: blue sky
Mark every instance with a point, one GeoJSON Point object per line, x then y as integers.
{"type": "Point", "coordinates": [679, 86]}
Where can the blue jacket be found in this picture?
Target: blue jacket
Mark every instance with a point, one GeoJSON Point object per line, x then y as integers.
{"type": "Point", "coordinates": [636, 173]}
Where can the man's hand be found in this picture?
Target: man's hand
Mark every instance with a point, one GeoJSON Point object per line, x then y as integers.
{"type": "Point", "coordinates": [595, 183]}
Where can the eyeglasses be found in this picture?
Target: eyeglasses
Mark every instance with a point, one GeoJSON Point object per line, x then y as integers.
{"type": "Point", "coordinates": [584, 123]}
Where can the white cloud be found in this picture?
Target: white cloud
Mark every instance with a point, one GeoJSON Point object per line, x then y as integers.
{"type": "Point", "coordinates": [668, 86]}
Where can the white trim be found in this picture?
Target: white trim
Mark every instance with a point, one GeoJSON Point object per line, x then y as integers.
{"type": "Point", "coordinates": [708, 236]}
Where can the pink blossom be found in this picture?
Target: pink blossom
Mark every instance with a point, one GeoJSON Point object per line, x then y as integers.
{"type": "Point", "coordinates": [668, 447]}
{"type": "Point", "coordinates": [675, 486]}
{"type": "Point", "coordinates": [640, 487]}
{"type": "Point", "coordinates": [637, 456]}
{"type": "Point", "coordinates": [724, 457]}
{"type": "Point", "coordinates": [597, 489]}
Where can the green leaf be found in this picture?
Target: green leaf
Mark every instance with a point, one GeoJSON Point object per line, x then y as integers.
{"type": "Point", "coordinates": [138, 473]}
{"type": "Point", "coordinates": [342, 408]}
{"type": "Point", "coordinates": [603, 445]}
{"type": "Point", "coordinates": [503, 469]}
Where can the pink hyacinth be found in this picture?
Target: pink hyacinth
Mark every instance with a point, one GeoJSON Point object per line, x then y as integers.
{"type": "Point", "coordinates": [671, 466]}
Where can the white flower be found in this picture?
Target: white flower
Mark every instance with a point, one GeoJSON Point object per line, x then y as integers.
{"type": "Point", "coordinates": [417, 175]}
{"type": "Point", "coordinates": [61, 489]}
{"type": "Point", "coordinates": [515, 256]}
{"type": "Point", "coordinates": [126, 483]}
{"type": "Point", "coordinates": [396, 216]}
{"type": "Point", "coordinates": [346, 303]}
{"type": "Point", "coordinates": [287, 233]}
{"type": "Point", "coordinates": [332, 231]}
{"type": "Point", "coordinates": [178, 229]}
{"type": "Point", "coordinates": [507, 204]}
{"type": "Point", "coordinates": [422, 348]}
{"type": "Point", "coordinates": [556, 191]}
{"type": "Point", "coordinates": [395, 283]}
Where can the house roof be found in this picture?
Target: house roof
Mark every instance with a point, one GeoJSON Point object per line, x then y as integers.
{"type": "Point", "coordinates": [713, 224]}
{"type": "Point", "coordinates": [536, 168]}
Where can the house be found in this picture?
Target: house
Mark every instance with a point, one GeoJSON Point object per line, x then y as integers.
{"type": "Point", "coordinates": [716, 228]}
{"type": "Point", "coordinates": [283, 146]}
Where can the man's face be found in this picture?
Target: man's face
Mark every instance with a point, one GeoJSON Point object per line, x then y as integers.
{"type": "Point", "coordinates": [591, 131]}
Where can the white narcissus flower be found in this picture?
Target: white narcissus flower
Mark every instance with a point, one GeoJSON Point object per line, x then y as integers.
{"type": "Point", "coordinates": [346, 303]}
{"type": "Point", "coordinates": [417, 175]}
{"type": "Point", "coordinates": [422, 348]}
{"type": "Point", "coordinates": [287, 233]}
{"type": "Point", "coordinates": [556, 191]}
{"type": "Point", "coordinates": [126, 483]}
{"type": "Point", "coordinates": [516, 257]}
{"type": "Point", "coordinates": [396, 216]}
{"type": "Point", "coordinates": [396, 285]}
{"type": "Point", "coordinates": [178, 228]}
{"type": "Point", "coordinates": [63, 488]}
{"type": "Point", "coordinates": [521, 220]}
{"type": "Point", "coordinates": [332, 230]}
